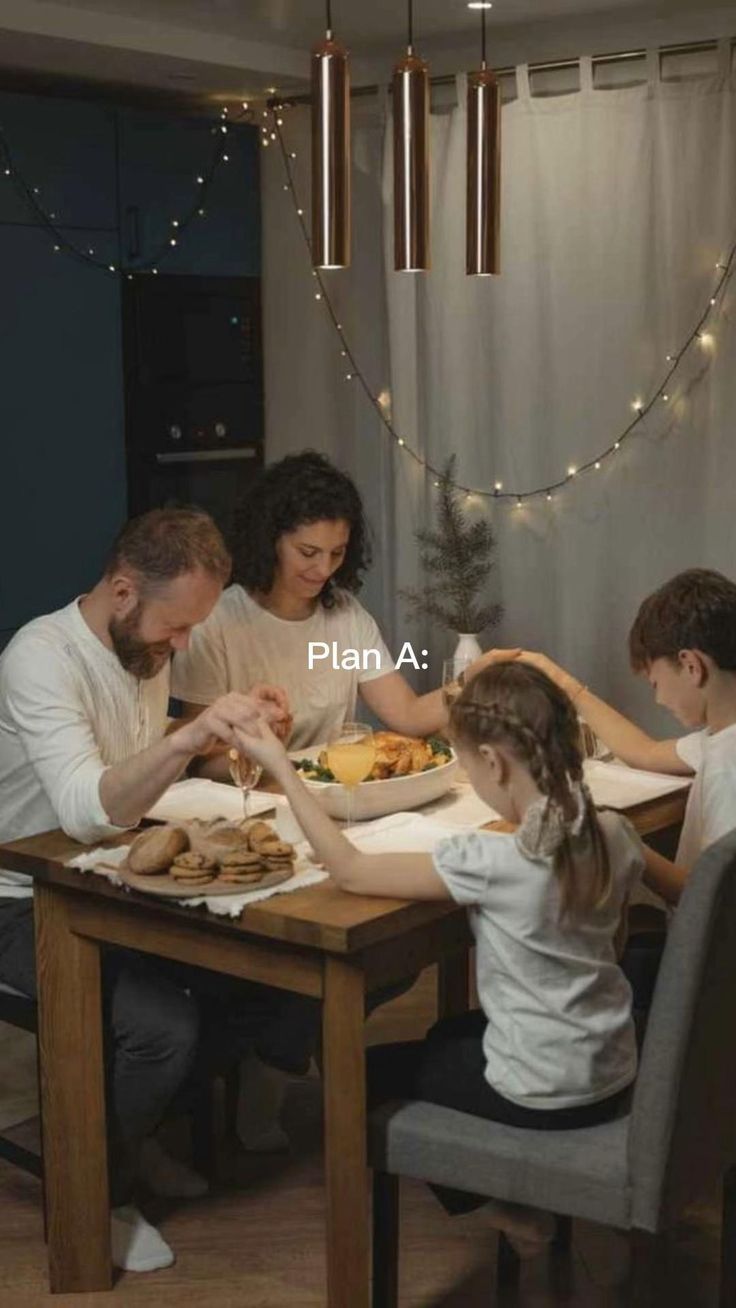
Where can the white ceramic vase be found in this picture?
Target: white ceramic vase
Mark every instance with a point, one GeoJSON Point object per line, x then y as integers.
{"type": "Point", "coordinates": [467, 649]}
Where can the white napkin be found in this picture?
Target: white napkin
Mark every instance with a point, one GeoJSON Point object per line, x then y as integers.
{"type": "Point", "coordinates": [233, 905]}
{"type": "Point", "coordinates": [400, 833]}
{"type": "Point", "coordinates": [614, 785]}
{"type": "Point", "coordinates": [197, 797]}
{"type": "Point", "coordinates": [104, 861]}
{"type": "Point", "coordinates": [461, 807]}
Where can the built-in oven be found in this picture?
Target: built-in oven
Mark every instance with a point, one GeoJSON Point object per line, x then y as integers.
{"type": "Point", "coordinates": [194, 391]}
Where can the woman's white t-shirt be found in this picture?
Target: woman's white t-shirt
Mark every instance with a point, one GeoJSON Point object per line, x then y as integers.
{"type": "Point", "coordinates": [241, 643]}
{"type": "Point", "coordinates": [559, 1030]}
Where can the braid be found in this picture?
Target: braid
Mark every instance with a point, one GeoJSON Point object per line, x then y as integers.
{"type": "Point", "coordinates": [517, 705]}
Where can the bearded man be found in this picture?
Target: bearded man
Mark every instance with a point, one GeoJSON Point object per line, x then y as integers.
{"type": "Point", "coordinates": [84, 698]}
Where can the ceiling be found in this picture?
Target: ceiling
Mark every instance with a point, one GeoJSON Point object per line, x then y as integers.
{"type": "Point", "coordinates": [218, 50]}
{"type": "Point", "coordinates": [296, 23]}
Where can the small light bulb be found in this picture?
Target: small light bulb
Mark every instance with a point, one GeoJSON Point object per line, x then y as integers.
{"type": "Point", "coordinates": [111, 266]}
{"type": "Point", "coordinates": [498, 486]}
{"type": "Point", "coordinates": [280, 122]}
{"type": "Point", "coordinates": [348, 376]}
{"type": "Point", "coordinates": [201, 213]}
{"type": "Point", "coordinates": [285, 186]}
{"type": "Point", "coordinates": [597, 464]}
{"type": "Point", "coordinates": [245, 104]}
{"type": "Point", "coordinates": [670, 358]}
{"type": "Point", "coordinates": [7, 172]}
{"type": "Point", "coordinates": [224, 131]}
{"type": "Point", "coordinates": [665, 397]}
{"type": "Point", "coordinates": [549, 497]}
{"type": "Point", "coordinates": [56, 249]}
{"type": "Point", "coordinates": [226, 158]}
{"type": "Point", "coordinates": [174, 222]}
{"type": "Point", "coordinates": [617, 445]}
{"type": "Point", "coordinates": [293, 154]}
{"type": "Point", "coordinates": [200, 181]}
{"type": "Point", "coordinates": [155, 272]}
{"type": "Point", "coordinates": [571, 470]}
{"type": "Point", "coordinates": [518, 504]}
{"type": "Point", "coordinates": [36, 190]}
{"type": "Point", "coordinates": [300, 212]}
{"type": "Point", "coordinates": [401, 441]}
{"type": "Point", "coordinates": [317, 295]}
{"type": "Point", "coordinates": [344, 354]}
{"type": "Point", "coordinates": [638, 405]}
{"type": "Point", "coordinates": [90, 250]}
{"type": "Point", "coordinates": [172, 241]}
{"type": "Point", "coordinates": [713, 299]}
{"type": "Point", "coordinates": [436, 483]}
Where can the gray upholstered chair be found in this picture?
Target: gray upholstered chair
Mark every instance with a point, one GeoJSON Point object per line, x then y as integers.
{"type": "Point", "coordinates": [636, 1173]}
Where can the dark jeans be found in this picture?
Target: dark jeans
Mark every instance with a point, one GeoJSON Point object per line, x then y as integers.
{"type": "Point", "coordinates": [640, 965]}
{"type": "Point", "coordinates": [448, 1068]}
{"type": "Point", "coordinates": [167, 1024]}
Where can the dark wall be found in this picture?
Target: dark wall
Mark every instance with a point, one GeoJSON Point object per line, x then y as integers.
{"type": "Point", "coordinates": [115, 178]}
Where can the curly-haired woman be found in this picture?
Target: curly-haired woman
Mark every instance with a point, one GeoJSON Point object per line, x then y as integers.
{"type": "Point", "coordinates": [301, 548]}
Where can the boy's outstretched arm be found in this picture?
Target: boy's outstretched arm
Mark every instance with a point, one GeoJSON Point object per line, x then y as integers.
{"type": "Point", "coordinates": [627, 741]}
{"type": "Point", "coordinates": [663, 877]}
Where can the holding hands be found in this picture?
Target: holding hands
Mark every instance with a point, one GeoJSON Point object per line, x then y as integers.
{"type": "Point", "coordinates": [217, 725]}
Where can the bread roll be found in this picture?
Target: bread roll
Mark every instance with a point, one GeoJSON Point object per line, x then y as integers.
{"type": "Point", "coordinates": [155, 849]}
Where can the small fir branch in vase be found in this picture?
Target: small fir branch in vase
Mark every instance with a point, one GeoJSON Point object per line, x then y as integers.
{"type": "Point", "coordinates": [457, 555]}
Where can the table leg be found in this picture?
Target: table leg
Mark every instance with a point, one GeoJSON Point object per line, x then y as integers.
{"type": "Point", "coordinates": [453, 984]}
{"type": "Point", "coordinates": [73, 1094]}
{"type": "Point", "coordinates": [346, 1162]}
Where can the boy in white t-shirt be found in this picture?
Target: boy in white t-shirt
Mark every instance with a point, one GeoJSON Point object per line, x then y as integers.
{"type": "Point", "coordinates": [684, 640]}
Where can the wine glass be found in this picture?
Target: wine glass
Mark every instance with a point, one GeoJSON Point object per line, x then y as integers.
{"type": "Point", "coordinates": [453, 679]}
{"type": "Point", "coordinates": [350, 758]}
{"type": "Point", "coordinates": [245, 772]}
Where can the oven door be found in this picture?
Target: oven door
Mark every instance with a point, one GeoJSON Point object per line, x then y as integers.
{"type": "Point", "coordinates": [213, 480]}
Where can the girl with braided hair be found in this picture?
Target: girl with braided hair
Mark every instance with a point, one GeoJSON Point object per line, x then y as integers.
{"type": "Point", "coordinates": [552, 1045]}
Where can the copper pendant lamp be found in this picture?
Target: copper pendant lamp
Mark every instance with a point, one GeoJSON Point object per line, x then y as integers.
{"type": "Point", "coordinates": [330, 152]}
{"type": "Point", "coordinates": [411, 159]}
{"type": "Point", "coordinates": [483, 192]}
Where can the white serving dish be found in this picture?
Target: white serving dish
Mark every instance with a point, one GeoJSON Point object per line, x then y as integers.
{"type": "Point", "coordinates": [373, 799]}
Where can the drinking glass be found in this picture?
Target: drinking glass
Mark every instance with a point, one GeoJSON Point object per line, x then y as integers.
{"type": "Point", "coordinates": [453, 678]}
{"type": "Point", "coordinates": [350, 758]}
{"type": "Point", "coordinates": [245, 773]}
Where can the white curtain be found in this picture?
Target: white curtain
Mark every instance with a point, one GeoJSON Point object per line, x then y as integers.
{"type": "Point", "coordinates": [617, 206]}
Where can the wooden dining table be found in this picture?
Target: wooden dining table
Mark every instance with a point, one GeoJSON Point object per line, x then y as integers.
{"type": "Point", "coordinates": [318, 941]}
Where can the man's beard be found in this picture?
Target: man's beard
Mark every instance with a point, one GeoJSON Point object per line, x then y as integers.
{"type": "Point", "coordinates": [143, 660]}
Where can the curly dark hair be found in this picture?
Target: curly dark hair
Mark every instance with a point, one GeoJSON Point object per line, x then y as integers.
{"type": "Point", "coordinates": [299, 489]}
{"type": "Point", "coordinates": [694, 610]}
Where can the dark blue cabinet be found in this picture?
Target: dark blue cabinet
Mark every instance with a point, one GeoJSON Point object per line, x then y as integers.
{"type": "Point", "coordinates": [62, 469]}
{"type": "Point", "coordinates": [160, 161]}
{"type": "Point", "coordinates": [67, 149]}
{"type": "Point", "coordinates": [113, 177]}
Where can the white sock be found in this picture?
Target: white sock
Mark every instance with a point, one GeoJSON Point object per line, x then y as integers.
{"type": "Point", "coordinates": [166, 1176]}
{"type": "Point", "coordinates": [528, 1230]}
{"type": "Point", "coordinates": [137, 1246]}
{"type": "Point", "coordinates": [260, 1100]}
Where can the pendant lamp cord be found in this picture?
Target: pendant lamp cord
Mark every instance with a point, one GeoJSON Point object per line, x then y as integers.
{"type": "Point", "coordinates": [483, 38]}
{"type": "Point", "coordinates": [410, 41]}
{"type": "Point", "coordinates": [328, 14]}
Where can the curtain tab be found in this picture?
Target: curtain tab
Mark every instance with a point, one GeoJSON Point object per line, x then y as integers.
{"type": "Point", "coordinates": [654, 67]}
{"type": "Point", "coordinates": [523, 84]}
{"type": "Point", "coordinates": [725, 59]}
{"type": "Point", "coordinates": [586, 73]}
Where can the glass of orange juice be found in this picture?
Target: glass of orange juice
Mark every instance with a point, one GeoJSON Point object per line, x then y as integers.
{"type": "Point", "coordinates": [350, 758]}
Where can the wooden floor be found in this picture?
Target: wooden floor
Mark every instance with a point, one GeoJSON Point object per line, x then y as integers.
{"type": "Point", "coordinates": [258, 1240]}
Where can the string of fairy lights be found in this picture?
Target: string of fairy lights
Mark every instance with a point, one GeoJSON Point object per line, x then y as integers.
{"type": "Point", "coordinates": [195, 210]}
{"type": "Point", "coordinates": [701, 333]}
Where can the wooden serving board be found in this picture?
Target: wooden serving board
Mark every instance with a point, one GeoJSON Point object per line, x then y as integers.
{"type": "Point", "coordinates": [165, 886]}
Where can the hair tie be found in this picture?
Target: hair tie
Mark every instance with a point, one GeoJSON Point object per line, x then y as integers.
{"type": "Point", "coordinates": [545, 827]}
